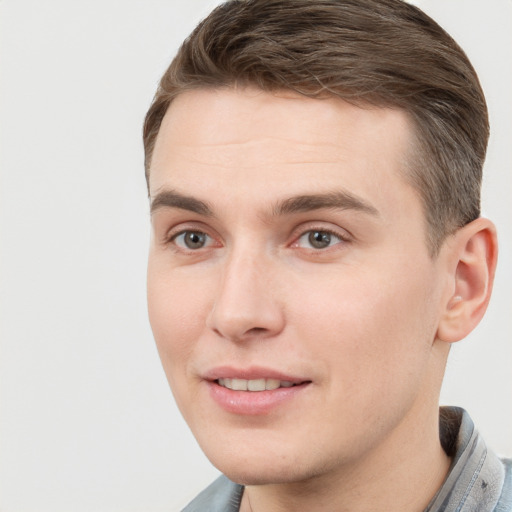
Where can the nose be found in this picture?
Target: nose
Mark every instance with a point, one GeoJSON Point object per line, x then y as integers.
{"type": "Point", "coordinates": [246, 304]}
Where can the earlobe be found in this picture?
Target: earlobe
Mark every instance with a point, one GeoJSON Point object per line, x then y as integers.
{"type": "Point", "coordinates": [474, 250]}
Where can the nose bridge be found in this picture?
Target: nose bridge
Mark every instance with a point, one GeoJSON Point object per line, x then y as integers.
{"type": "Point", "coordinates": [245, 302]}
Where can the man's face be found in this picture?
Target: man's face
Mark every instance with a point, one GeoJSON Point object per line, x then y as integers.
{"type": "Point", "coordinates": [288, 253]}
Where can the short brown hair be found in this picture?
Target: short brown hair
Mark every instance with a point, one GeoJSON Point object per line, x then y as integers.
{"type": "Point", "coordinates": [382, 52]}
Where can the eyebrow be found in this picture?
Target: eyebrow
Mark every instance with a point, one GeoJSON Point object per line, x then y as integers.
{"type": "Point", "coordinates": [339, 200]}
{"type": "Point", "coordinates": [173, 199]}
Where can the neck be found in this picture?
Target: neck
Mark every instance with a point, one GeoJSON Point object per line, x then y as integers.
{"type": "Point", "coordinates": [402, 474]}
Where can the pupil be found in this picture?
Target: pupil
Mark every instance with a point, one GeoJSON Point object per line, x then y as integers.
{"type": "Point", "coordinates": [194, 240]}
{"type": "Point", "coordinates": [319, 239]}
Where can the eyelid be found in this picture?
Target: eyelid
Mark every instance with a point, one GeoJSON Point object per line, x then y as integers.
{"type": "Point", "coordinates": [193, 226]}
{"type": "Point", "coordinates": [337, 231]}
{"type": "Point", "coordinates": [179, 227]}
{"type": "Point", "coordinates": [183, 247]}
{"type": "Point", "coordinates": [304, 242]}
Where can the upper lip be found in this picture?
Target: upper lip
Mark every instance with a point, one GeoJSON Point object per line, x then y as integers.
{"type": "Point", "coordinates": [250, 373]}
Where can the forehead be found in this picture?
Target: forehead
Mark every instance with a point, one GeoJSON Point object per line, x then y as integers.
{"type": "Point", "coordinates": [246, 141]}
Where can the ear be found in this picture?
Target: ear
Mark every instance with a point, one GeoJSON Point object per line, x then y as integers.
{"type": "Point", "coordinates": [473, 252]}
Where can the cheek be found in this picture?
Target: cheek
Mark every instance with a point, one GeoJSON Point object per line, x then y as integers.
{"type": "Point", "coordinates": [372, 330]}
{"type": "Point", "coordinates": [177, 312]}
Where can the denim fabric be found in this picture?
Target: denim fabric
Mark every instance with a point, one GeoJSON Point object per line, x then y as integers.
{"type": "Point", "coordinates": [478, 481]}
{"type": "Point", "coordinates": [220, 496]}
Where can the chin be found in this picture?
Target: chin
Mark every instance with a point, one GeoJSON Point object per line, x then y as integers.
{"type": "Point", "coordinates": [264, 467]}
{"type": "Point", "coordinates": [267, 476]}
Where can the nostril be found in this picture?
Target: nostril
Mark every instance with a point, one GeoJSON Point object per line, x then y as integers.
{"type": "Point", "coordinates": [256, 330]}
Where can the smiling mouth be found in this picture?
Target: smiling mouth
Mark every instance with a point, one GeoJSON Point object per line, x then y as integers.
{"type": "Point", "coordinates": [256, 384]}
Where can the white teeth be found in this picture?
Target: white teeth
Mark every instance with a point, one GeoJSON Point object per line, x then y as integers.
{"type": "Point", "coordinates": [239, 384]}
{"type": "Point", "coordinates": [254, 384]}
{"type": "Point", "coordinates": [272, 384]}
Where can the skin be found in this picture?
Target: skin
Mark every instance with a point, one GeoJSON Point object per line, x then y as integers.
{"type": "Point", "coordinates": [366, 320]}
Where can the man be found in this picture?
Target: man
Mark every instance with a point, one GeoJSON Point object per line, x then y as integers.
{"type": "Point", "coordinates": [314, 172]}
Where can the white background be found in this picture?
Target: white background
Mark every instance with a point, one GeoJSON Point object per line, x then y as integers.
{"type": "Point", "coordinates": [87, 422]}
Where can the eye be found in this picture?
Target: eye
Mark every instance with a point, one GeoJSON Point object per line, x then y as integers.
{"type": "Point", "coordinates": [318, 239]}
{"type": "Point", "coordinates": [192, 240]}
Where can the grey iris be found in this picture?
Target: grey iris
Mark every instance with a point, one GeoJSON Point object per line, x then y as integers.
{"type": "Point", "coordinates": [319, 239]}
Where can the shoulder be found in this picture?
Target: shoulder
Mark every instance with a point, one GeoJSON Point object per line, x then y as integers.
{"type": "Point", "coordinates": [505, 501]}
{"type": "Point", "coordinates": [222, 495]}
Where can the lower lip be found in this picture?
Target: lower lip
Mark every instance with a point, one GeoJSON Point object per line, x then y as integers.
{"type": "Point", "coordinates": [253, 402]}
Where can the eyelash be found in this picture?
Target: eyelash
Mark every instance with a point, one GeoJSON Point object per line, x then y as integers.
{"type": "Point", "coordinates": [174, 237]}
{"type": "Point", "coordinates": [342, 239]}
